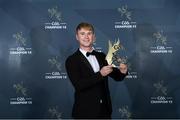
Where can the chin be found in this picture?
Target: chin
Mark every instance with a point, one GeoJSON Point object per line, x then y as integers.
{"type": "Point", "coordinates": [87, 45]}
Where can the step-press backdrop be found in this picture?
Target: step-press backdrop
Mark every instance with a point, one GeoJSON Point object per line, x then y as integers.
{"type": "Point", "coordinates": [36, 36]}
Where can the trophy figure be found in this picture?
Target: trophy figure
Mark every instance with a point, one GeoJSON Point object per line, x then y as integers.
{"type": "Point", "coordinates": [112, 50]}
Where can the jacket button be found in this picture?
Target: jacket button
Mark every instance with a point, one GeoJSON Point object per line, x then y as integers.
{"type": "Point", "coordinates": [100, 101]}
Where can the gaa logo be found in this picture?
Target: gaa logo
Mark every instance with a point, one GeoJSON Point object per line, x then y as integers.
{"type": "Point", "coordinates": [125, 23]}
{"type": "Point", "coordinates": [160, 47]}
{"type": "Point", "coordinates": [55, 23]}
{"type": "Point", "coordinates": [20, 99]}
{"type": "Point", "coordinates": [55, 73]}
{"type": "Point", "coordinates": [161, 98]}
{"type": "Point", "coordinates": [20, 49]}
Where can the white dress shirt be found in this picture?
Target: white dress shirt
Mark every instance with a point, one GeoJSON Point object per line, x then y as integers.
{"type": "Point", "coordinates": [92, 60]}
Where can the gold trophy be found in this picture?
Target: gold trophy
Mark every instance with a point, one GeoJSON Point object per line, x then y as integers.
{"type": "Point", "coordinates": [112, 50]}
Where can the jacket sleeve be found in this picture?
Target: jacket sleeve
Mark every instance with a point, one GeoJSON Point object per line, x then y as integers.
{"type": "Point", "coordinates": [117, 75]}
{"type": "Point", "coordinates": [79, 83]}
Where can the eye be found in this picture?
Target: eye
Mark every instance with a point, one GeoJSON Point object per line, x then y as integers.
{"type": "Point", "coordinates": [90, 33]}
{"type": "Point", "coordinates": [82, 33]}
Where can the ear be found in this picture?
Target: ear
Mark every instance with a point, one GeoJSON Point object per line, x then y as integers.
{"type": "Point", "coordinates": [94, 38]}
{"type": "Point", "coordinates": [77, 37]}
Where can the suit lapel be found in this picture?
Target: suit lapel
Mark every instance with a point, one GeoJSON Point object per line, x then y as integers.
{"type": "Point", "coordinates": [84, 60]}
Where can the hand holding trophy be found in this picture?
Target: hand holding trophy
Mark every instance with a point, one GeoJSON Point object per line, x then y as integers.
{"type": "Point", "coordinates": [111, 52]}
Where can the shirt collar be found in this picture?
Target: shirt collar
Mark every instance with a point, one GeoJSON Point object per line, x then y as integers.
{"type": "Point", "coordinates": [84, 52]}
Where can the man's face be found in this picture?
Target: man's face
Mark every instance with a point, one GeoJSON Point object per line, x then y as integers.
{"type": "Point", "coordinates": [85, 37]}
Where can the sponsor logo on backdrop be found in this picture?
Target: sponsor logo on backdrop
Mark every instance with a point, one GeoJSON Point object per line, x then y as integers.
{"type": "Point", "coordinates": [57, 67]}
{"type": "Point", "coordinates": [55, 75]}
{"type": "Point", "coordinates": [21, 43]}
{"type": "Point", "coordinates": [161, 46]}
{"type": "Point", "coordinates": [21, 93]}
{"type": "Point", "coordinates": [161, 100]}
{"type": "Point", "coordinates": [20, 51]}
{"type": "Point", "coordinates": [56, 19]}
{"type": "Point", "coordinates": [126, 21]}
{"type": "Point", "coordinates": [125, 113]}
{"type": "Point", "coordinates": [54, 113]}
{"type": "Point", "coordinates": [161, 94]}
{"type": "Point", "coordinates": [160, 88]}
{"type": "Point", "coordinates": [54, 63]}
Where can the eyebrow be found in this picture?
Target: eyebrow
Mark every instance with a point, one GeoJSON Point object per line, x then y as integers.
{"type": "Point", "coordinates": [84, 32]}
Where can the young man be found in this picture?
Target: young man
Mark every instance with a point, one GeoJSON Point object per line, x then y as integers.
{"type": "Point", "coordinates": [88, 71]}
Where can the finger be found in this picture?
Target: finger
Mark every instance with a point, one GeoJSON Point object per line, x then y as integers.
{"type": "Point", "coordinates": [109, 66]}
{"type": "Point", "coordinates": [109, 69]}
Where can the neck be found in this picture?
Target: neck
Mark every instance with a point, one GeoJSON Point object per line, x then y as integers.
{"type": "Point", "coordinates": [87, 49]}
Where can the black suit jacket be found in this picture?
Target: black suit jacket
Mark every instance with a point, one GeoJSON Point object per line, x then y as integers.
{"type": "Point", "coordinates": [92, 97]}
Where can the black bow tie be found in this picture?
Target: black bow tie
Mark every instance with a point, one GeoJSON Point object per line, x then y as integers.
{"type": "Point", "coordinates": [90, 53]}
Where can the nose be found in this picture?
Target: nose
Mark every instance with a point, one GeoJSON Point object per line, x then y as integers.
{"type": "Point", "coordinates": [86, 35]}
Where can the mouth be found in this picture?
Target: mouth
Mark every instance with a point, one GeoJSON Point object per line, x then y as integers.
{"type": "Point", "coordinates": [86, 41]}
